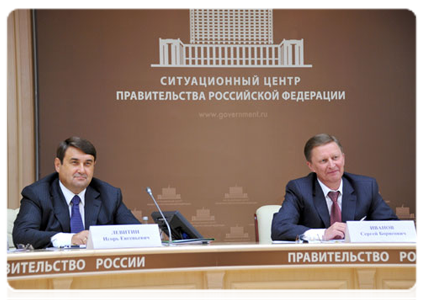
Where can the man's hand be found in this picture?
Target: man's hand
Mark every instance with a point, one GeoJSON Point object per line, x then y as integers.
{"type": "Point", "coordinates": [80, 238]}
{"type": "Point", "coordinates": [335, 232]}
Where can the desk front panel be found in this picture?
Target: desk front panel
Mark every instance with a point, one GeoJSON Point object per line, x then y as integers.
{"type": "Point", "coordinates": [219, 266]}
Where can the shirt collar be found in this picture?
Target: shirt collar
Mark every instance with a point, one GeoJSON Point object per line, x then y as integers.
{"type": "Point", "coordinates": [326, 190]}
{"type": "Point", "coordinates": [69, 195]}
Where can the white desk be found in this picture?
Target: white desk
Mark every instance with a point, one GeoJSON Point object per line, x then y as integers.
{"type": "Point", "coordinates": [219, 266]}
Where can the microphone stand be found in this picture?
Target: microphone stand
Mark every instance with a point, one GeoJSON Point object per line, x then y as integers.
{"type": "Point", "coordinates": [161, 213]}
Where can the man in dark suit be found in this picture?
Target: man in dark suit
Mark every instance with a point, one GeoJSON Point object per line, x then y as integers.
{"type": "Point", "coordinates": [49, 215]}
{"type": "Point", "coordinates": [319, 204]}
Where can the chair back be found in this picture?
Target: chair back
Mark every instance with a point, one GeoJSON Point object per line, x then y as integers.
{"type": "Point", "coordinates": [11, 216]}
{"type": "Point", "coordinates": [264, 215]}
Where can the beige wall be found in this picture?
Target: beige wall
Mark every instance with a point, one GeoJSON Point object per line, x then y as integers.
{"type": "Point", "coordinates": [20, 105]}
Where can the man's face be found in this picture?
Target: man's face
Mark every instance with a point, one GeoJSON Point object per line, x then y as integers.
{"type": "Point", "coordinates": [328, 161]}
{"type": "Point", "coordinates": [76, 171]}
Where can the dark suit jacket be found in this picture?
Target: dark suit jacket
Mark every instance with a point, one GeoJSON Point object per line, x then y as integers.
{"type": "Point", "coordinates": [305, 205]}
{"type": "Point", "coordinates": [44, 211]}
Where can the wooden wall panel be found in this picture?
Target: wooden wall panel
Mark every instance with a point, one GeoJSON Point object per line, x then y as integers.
{"type": "Point", "coordinates": [20, 105]}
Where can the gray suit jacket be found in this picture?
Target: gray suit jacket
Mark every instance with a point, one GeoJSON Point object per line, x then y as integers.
{"type": "Point", "coordinates": [44, 211]}
{"type": "Point", "coordinates": [305, 205]}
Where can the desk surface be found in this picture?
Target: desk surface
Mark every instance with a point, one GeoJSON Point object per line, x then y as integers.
{"type": "Point", "coordinates": [45, 263]}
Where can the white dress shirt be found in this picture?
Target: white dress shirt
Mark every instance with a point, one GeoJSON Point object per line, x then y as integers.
{"type": "Point", "coordinates": [317, 234]}
{"type": "Point", "coordinates": [63, 239]}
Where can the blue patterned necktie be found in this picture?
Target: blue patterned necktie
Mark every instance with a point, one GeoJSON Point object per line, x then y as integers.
{"type": "Point", "coordinates": [76, 220]}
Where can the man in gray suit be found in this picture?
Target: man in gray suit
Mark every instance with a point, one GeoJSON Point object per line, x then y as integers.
{"type": "Point", "coordinates": [49, 215]}
{"type": "Point", "coordinates": [319, 204]}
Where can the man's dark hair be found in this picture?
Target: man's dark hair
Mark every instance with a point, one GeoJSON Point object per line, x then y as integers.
{"type": "Point", "coordinates": [77, 142]}
{"type": "Point", "coordinates": [319, 140]}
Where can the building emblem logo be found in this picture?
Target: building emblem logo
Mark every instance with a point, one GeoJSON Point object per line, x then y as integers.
{"type": "Point", "coordinates": [231, 38]}
{"type": "Point", "coordinates": [169, 196]}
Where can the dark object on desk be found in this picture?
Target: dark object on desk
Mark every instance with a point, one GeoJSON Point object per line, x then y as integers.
{"type": "Point", "coordinates": [180, 227]}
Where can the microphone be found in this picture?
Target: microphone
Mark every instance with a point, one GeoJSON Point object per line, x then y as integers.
{"type": "Point", "coordinates": [161, 213]}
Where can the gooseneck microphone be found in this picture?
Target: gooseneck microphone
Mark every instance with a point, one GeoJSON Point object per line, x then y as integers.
{"type": "Point", "coordinates": [161, 213]}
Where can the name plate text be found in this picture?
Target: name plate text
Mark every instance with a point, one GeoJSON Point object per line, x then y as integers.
{"type": "Point", "coordinates": [124, 236]}
{"type": "Point", "coordinates": [380, 232]}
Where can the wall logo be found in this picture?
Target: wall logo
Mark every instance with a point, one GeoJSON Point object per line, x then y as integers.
{"type": "Point", "coordinates": [169, 197]}
{"type": "Point", "coordinates": [236, 196]}
{"type": "Point", "coordinates": [237, 234]}
{"type": "Point", "coordinates": [203, 215]}
{"type": "Point", "coordinates": [231, 38]}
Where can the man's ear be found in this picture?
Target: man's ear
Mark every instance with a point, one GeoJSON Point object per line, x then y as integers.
{"type": "Point", "coordinates": [57, 164]}
{"type": "Point", "coordinates": [310, 166]}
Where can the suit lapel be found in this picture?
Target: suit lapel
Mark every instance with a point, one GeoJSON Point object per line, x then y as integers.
{"type": "Point", "coordinates": [92, 207]}
{"type": "Point", "coordinates": [349, 201]}
{"type": "Point", "coordinates": [61, 209]}
{"type": "Point", "coordinates": [320, 203]}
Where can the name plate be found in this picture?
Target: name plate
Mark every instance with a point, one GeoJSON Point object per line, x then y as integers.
{"type": "Point", "coordinates": [124, 236]}
{"type": "Point", "coordinates": [380, 232]}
